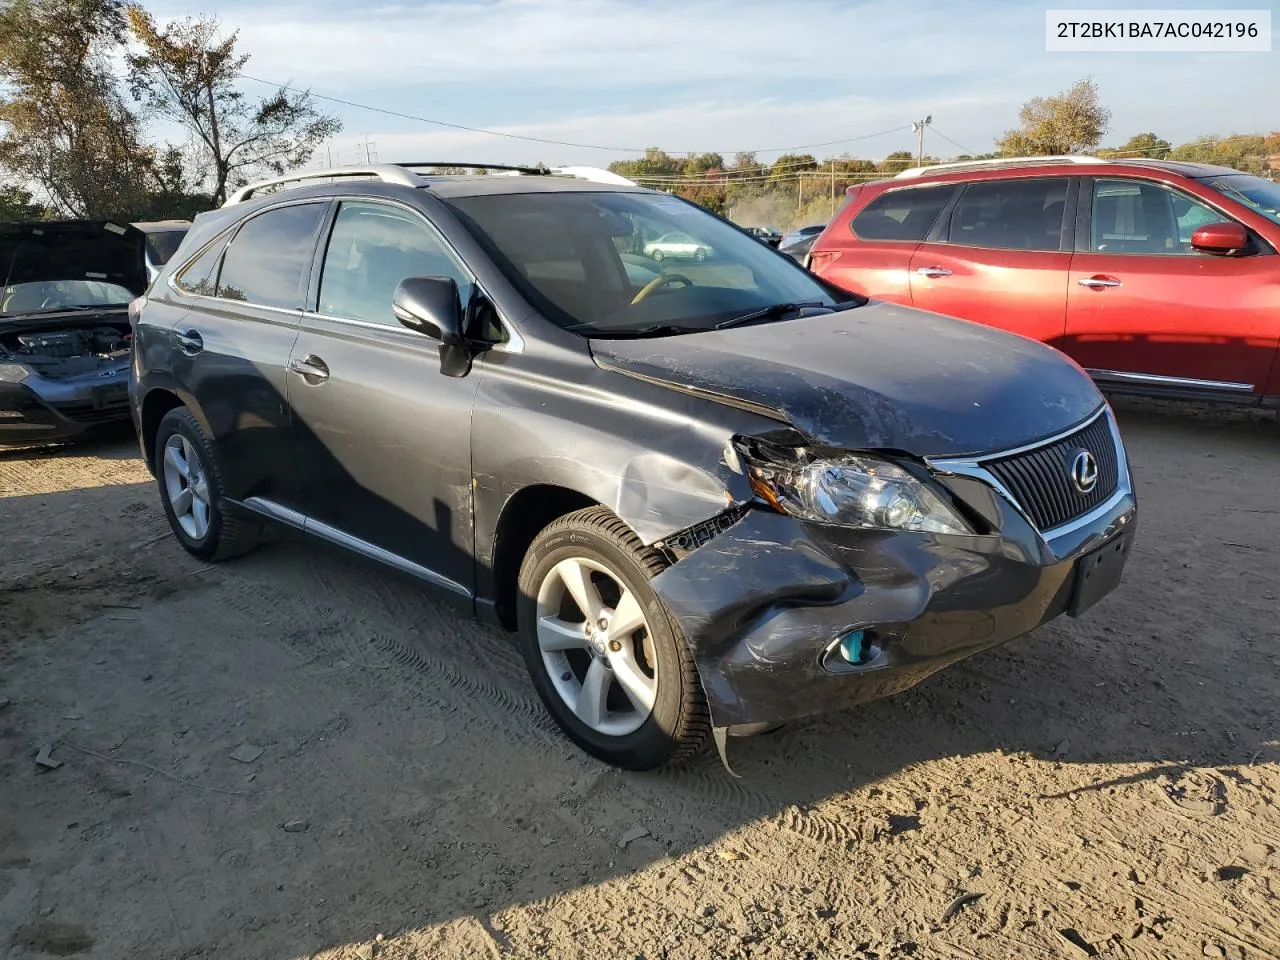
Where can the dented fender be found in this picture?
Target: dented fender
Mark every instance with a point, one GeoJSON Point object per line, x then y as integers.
{"type": "Point", "coordinates": [661, 460]}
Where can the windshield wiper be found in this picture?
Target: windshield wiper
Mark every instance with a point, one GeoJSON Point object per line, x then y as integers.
{"type": "Point", "coordinates": [657, 330]}
{"type": "Point", "coordinates": [68, 308]}
{"type": "Point", "coordinates": [768, 313]}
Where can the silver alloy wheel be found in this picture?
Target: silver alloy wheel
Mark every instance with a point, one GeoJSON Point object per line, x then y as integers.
{"type": "Point", "coordinates": [187, 486]}
{"type": "Point", "coordinates": [599, 658]}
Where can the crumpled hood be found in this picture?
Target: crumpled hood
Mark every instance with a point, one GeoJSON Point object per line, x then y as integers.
{"type": "Point", "coordinates": [878, 376]}
{"type": "Point", "coordinates": [41, 251]}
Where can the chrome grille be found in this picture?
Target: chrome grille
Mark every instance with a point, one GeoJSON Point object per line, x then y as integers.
{"type": "Point", "coordinates": [1040, 479]}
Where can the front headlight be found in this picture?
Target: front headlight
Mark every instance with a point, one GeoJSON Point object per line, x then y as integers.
{"type": "Point", "coordinates": [854, 491]}
{"type": "Point", "coordinates": [13, 372]}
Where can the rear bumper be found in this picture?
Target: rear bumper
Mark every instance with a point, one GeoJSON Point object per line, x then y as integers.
{"type": "Point", "coordinates": [31, 417]}
{"type": "Point", "coordinates": [764, 605]}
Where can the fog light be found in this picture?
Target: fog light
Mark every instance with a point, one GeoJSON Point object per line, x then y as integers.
{"type": "Point", "coordinates": [851, 646]}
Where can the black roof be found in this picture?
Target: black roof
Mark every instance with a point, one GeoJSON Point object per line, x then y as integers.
{"type": "Point", "coordinates": [1197, 171]}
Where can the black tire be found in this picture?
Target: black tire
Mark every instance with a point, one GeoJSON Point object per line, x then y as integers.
{"type": "Point", "coordinates": [658, 256]}
{"type": "Point", "coordinates": [679, 722]}
{"type": "Point", "coordinates": [228, 535]}
{"type": "Point", "coordinates": [699, 255]}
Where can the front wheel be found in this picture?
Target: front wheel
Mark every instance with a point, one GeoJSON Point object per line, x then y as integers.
{"type": "Point", "coordinates": [657, 256]}
{"type": "Point", "coordinates": [604, 655]}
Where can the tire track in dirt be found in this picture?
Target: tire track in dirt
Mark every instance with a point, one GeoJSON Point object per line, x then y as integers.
{"type": "Point", "coordinates": [455, 689]}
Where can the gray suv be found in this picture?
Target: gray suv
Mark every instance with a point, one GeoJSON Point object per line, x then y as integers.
{"type": "Point", "coordinates": [709, 499]}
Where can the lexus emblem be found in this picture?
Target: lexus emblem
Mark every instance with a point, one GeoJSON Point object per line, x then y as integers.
{"type": "Point", "coordinates": [1084, 471]}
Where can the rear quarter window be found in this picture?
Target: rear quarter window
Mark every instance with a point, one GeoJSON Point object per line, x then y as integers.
{"type": "Point", "coordinates": [901, 214]}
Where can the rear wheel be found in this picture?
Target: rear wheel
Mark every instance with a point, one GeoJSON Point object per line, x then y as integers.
{"type": "Point", "coordinates": [605, 656]}
{"type": "Point", "coordinates": [190, 481]}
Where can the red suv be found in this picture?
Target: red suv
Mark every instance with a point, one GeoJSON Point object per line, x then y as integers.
{"type": "Point", "coordinates": [1157, 277]}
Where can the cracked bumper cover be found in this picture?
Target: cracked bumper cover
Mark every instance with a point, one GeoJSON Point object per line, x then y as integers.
{"type": "Point", "coordinates": [763, 604]}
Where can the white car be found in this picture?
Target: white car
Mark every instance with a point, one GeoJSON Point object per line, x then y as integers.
{"type": "Point", "coordinates": [676, 246]}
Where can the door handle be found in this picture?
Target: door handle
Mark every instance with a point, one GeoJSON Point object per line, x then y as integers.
{"type": "Point", "coordinates": [189, 342]}
{"type": "Point", "coordinates": [933, 272]}
{"type": "Point", "coordinates": [311, 368]}
{"type": "Point", "coordinates": [1099, 283]}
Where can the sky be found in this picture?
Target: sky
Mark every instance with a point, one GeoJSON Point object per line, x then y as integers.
{"type": "Point", "coordinates": [827, 76]}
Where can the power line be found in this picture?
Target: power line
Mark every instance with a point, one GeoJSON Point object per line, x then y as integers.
{"type": "Point", "coordinates": [545, 140]}
{"type": "Point", "coordinates": [963, 148]}
{"type": "Point", "coordinates": [641, 150]}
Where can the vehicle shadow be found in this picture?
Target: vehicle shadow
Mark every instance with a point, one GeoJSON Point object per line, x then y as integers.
{"type": "Point", "coordinates": [434, 788]}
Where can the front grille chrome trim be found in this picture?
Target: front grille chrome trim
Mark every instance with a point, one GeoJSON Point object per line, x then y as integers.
{"type": "Point", "coordinates": [975, 468]}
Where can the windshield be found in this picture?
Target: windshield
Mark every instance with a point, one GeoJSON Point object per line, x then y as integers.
{"type": "Point", "coordinates": [62, 295]}
{"type": "Point", "coordinates": [619, 264]}
{"type": "Point", "coordinates": [163, 244]}
{"type": "Point", "coordinates": [1261, 195]}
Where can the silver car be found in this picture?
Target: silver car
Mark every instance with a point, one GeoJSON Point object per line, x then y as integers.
{"type": "Point", "coordinates": [676, 246]}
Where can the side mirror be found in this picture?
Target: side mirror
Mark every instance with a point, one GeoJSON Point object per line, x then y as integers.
{"type": "Point", "coordinates": [430, 306]}
{"type": "Point", "coordinates": [1224, 239]}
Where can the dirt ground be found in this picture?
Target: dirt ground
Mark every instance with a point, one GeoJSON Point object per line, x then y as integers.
{"type": "Point", "coordinates": [1105, 787]}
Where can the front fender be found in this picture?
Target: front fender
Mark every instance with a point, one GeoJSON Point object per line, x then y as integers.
{"type": "Point", "coordinates": [661, 460]}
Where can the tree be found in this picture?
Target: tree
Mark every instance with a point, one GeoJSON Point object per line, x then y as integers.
{"type": "Point", "coordinates": [1071, 122]}
{"type": "Point", "coordinates": [187, 72]}
{"type": "Point", "coordinates": [66, 128]}
{"type": "Point", "coordinates": [788, 166]}
{"type": "Point", "coordinates": [897, 161]}
{"type": "Point", "coordinates": [1249, 153]}
{"type": "Point", "coordinates": [1145, 145]}
{"type": "Point", "coordinates": [18, 203]}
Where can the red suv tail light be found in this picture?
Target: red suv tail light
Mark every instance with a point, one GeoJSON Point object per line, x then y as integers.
{"type": "Point", "coordinates": [819, 259]}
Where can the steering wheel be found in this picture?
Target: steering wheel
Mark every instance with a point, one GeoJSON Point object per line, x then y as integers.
{"type": "Point", "coordinates": [658, 283]}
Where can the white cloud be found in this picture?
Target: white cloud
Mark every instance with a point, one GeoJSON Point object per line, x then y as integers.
{"type": "Point", "coordinates": [619, 43]}
{"type": "Point", "coordinates": [575, 70]}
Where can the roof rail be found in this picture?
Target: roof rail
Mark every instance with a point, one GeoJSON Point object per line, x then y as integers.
{"type": "Point", "coordinates": [403, 175]}
{"type": "Point", "coordinates": [994, 162]}
{"type": "Point", "coordinates": [386, 172]}
{"type": "Point", "coordinates": [505, 167]}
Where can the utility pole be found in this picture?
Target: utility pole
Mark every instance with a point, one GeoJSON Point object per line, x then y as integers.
{"type": "Point", "coordinates": [918, 127]}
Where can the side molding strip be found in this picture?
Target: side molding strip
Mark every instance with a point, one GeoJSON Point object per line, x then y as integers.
{"type": "Point", "coordinates": [300, 521]}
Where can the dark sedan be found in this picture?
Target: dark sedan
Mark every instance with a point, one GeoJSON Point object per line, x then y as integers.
{"type": "Point", "coordinates": [64, 327]}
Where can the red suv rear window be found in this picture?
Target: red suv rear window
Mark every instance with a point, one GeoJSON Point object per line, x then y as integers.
{"type": "Point", "coordinates": [902, 214]}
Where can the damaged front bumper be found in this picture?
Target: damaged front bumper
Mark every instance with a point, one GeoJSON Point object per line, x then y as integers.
{"type": "Point", "coordinates": [766, 602]}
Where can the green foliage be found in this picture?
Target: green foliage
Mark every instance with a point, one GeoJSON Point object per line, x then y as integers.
{"type": "Point", "coordinates": [188, 73]}
{"type": "Point", "coordinates": [1141, 145]}
{"type": "Point", "coordinates": [18, 203]}
{"type": "Point", "coordinates": [1070, 122]}
{"type": "Point", "coordinates": [66, 129]}
{"type": "Point", "coordinates": [1248, 153]}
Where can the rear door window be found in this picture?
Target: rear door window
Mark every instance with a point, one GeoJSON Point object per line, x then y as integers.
{"type": "Point", "coordinates": [1011, 215]}
{"type": "Point", "coordinates": [901, 214]}
{"type": "Point", "coordinates": [200, 276]}
{"type": "Point", "coordinates": [267, 262]}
